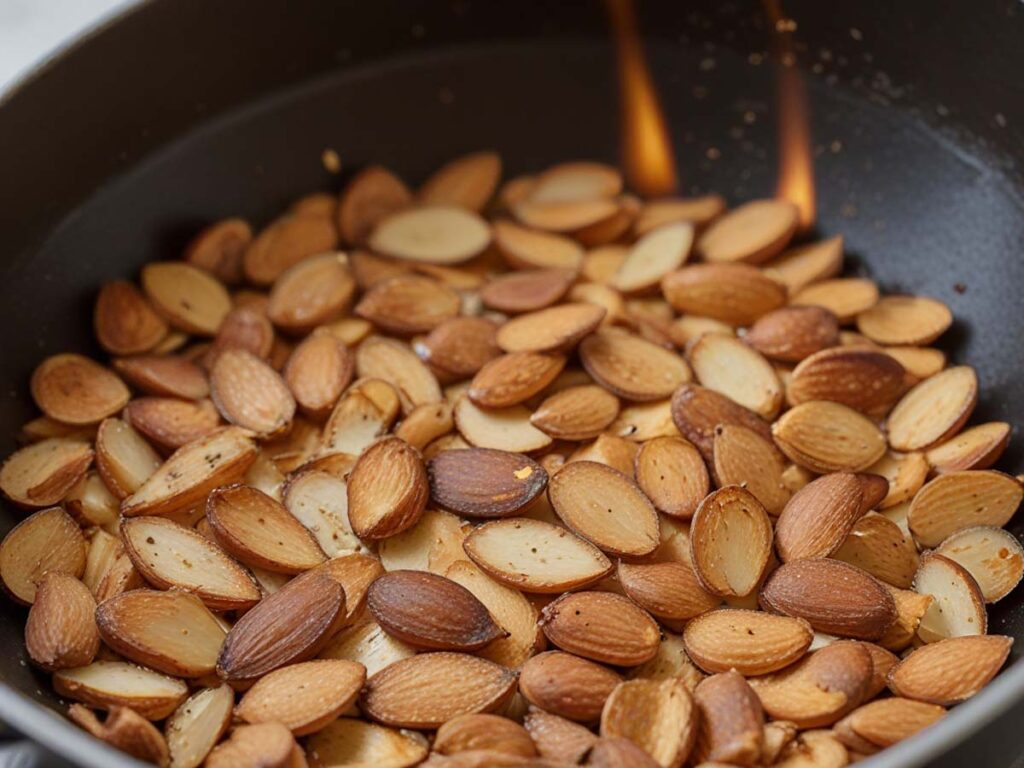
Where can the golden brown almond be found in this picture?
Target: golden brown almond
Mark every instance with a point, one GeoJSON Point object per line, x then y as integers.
{"type": "Point", "coordinates": [506, 429]}
{"type": "Point", "coordinates": [373, 194]}
{"type": "Point", "coordinates": [737, 294]}
{"type": "Point", "coordinates": [957, 608]}
{"type": "Point", "coordinates": [754, 232]}
{"type": "Point", "coordinates": [525, 248]}
{"type": "Point", "coordinates": [126, 730]}
{"type": "Point", "coordinates": [514, 377]}
{"type": "Point", "coordinates": [124, 460]}
{"type": "Point", "coordinates": [610, 450]}
{"type": "Point", "coordinates": [743, 457]}
{"type": "Point", "coordinates": [171, 632]}
{"type": "Point", "coordinates": [632, 367]}
{"type": "Point", "coordinates": [60, 631]}
{"type": "Point", "coordinates": [314, 291]}
{"type": "Point", "coordinates": [106, 684]}
{"type": "Point", "coordinates": [48, 541]}
{"type": "Point", "coordinates": [934, 410]}
{"type": "Point", "coordinates": [905, 320]}
{"type": "Point", "coordinates": [567, 686]}
{"type": "Point", "coordinates": [668, 590]}
{"type": "Point", "coordinates": [778, 736]}
{"type": "Point", "coordinates": [726, 365]}
{"type": "Point", "coordinates": [427, 690]}
{"type": "Point", "coordinates": [119, 576]}
{"type": "Point", "coordinates": [550, 330]}
{"type": "Point", "coordinates": [287, 241]}
{"type": "Point", "coordinates": [408, 304]}
{"type": "Point", "coordinates": [730, 542]}
{"type": "Point", "coordinates": [434, 234]}
{"type": "Point", "coordinates": [836, 598]}
{"type": "Point", "coordinates": [580, 494]}
{"type": "Point", "coordinates": [672, 474]}
{"type": "Point", "coordinates": [527, 290]}
{"type": "Point", "coordinates": [950, 671]}
{"type": "Point", "coordinates": [92, 504]}
{"type": "Point", "coordinates": [976, 448]}
{"type": "Point", "coordinates": [751, 642]}
{"type": "Point", "coordinates": [864, 379]}
{"type": "Point", "coordinates": [576, 180]}
{"type": "Point", "coordinates": [731, 720]}
{"type": "Point", "coordinates": [878, 546]}
{"type": "Point", "coordinates": [819, 517]}
{"type": "Point", "coordinates": [828, 437]}
{"type": "Point", "coordinates": [355, 573]}
{"type": "Point", "coordinates": [461, 346]}
{"type": "Point", "coordinates": [317, 372]}
{"type": "Point", "coordinates": [700, 211]}
{"type": "Point", "coordinates": [905, 473]}
{"type": "Point", "coordinates": [192, 300]}
{"type": "Point", "coordinates": [43, 473]}
{"type": "Point", "coordinates": [394, 362]}
{"type": "Point", "coordinates": [641, 422]}
{"type": "Point", "coordinates": [243, 328]}
{"type": "Point", "coordinates": [698, 411]}
{"type": "Point", "coordinates": [791, 334]}
{"type": "Point", "coordinates": [590, 219]}
{"type": "Point", "coordinates": [468, 181]}
{"type": "Point", "coordinates": [482, 482]}
{"type": "Point", "coordinates": [659, 716]}
{"type": "Point", "coordinates": [919, 362]}
{"type": "Point", "coordinates": [425, 424]}
{"type": "Point", "coordinates": [910, 609]}
{"type": "Point", "coordinates": [958, 500]}
{"type": "Point", "coordinates": [687, 329]}
{"type": "Point", "coordinates": [654, 255]}
{"type": "Point", "coordinates": [817, 747]}
{"type": "Point", "coordinates": [806, 264]}
{"type": "Point", "coordinates": [601, 626]}
{"type": "Point", "coordinates": [671, 661]}
{"type": "Point", "coordinates": [124, 322]}
{"type": "Point", "coordinates": [481, 731]}
{"type": "Point", "coordinates": [387, 490]}
{"type": "Point", "coordinates": [269, 744]}
{"type": "Point", "coordinates": [75, 390]}
{"type": "Point", "coordinates": [169, 555]}
{"type": "Point", "coordinates": [845, 297]}
{"type": "Point", "coordinates": [618, 753]}
{"type": "Point", "coordinates": [250, 394]}
{"type": "Point", "coordinates": [219, 249]}
{"type": "Point", "coordinates": [350, 741]}
{"type": "Point", "coordinates": [885, 722]}
{"type": "Point", "coordinates": [198, 724]}
{"type": "Point", "coordinates": [576, 413]}
{"type": "Point", "coordinates": [600, 264]}
{"type": "Point", "coordinates": [993, 556]}
{"type": "Point", "coordinates": [354, 424]}
{"type": "Point", "coordinates": [170, 423]}
{"type": "Point", "coordinates": [558, 739]}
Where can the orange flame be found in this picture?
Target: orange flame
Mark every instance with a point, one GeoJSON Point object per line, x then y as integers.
{"type": "Point", "coordinates": [796, 166]}
{"type": "Point", "coordinates": [647, 155]}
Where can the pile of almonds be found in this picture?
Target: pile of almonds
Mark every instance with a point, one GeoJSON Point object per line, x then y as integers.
{"type": "Point", "coordinates": [531, 474]}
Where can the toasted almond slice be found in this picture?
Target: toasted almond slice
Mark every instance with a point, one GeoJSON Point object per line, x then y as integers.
{"type": "Point", "coordinates": [641, 422]}
{"type": "Point", "coordinates": [601, 264]}
{"type": "Point", "coordinates": [507, 429]}
{"type": "Point", "coordinates": [249, 393]}
{"type": "Point", "coordinates": [791, 334]}
{"type": "Point", "coordinates": [845, 297]}
{"type": "Point", "coordinates": [610, 450]}
{"type": "Point", "coordinates": [319, 501]}
{"type": "Point", "coordinates": [576, 413]}
{"type": "Point", "coordinates": [581, 493]}
{"type": "Point", "coordinates": [668, 590]}
{"type": "Point", "coordinates": [819, 517]}
{"type": "Point", "coordinates": [975, 448]}
{"type": "Point", "coordinates": [806, 264]}
{"type": "Point", "coordinates": [698, 411]}
{"type": "Point", "coordinates": [726, 365]}
{"type": "Point", "coordinates": [567, 686]}
{"type": "Point", "coordinates": [267, 743]}
{"type": "Point", "coordinates": [105, 684]}
{"type": "Point", "coordinates": [124, 460]}
{"type": "Point", "coordinates": [779, 735]}
{"type": "Point", "coordinates": [124, 321]}
{"type": "Point", "coordinates": [285, 242]}
{"type": "Point", "coordinates": [697, 210]}
{"type": "Point", "coordinates": [958, 606]}
{"type": "Point", "coordinates": [910, 608]}
{"type": "Point", "coordinates": [349, 741]}
{"type": "Point", "coordinates": [737, 294]}
{"type": "Point", "coordinates": [482, 482]}
{"type": "Point", "coordinates": [198, 724]}
{"type": "Point", "coordinates": [373, 194]}
{"type": "Point", "coordinates": [731, 720]}
{"type": "Point", "coordinates": [885, 722]}
{"type": "Point", "coordinates": [751, 642]}
{"type": "Point", "coordinates": [398, 365]}
{"type": "Point", "coordinates": [828, 437]}
{"type": "Point", "coordinates": [468, 181]}
{"type": "Point", "coordinates": [43, 428]}
{"type": "Point", "coordinates": [601, 626]}
{"type": "Point", "coordinates": [474, 732]}
{"type": "Point", "coordinates": [878, 546]}
{"type": "Point", "coordinates": [170, 423]}
{"type": "Point", "coordinates": [172, 632]}
{"type": "Point", "coordinates": [126, 730]}
{"type": "Point", "coordinates": [934, 410]}
{"type": "Point", "coordinates": [313, 291]}
{"type": "Point", "coordinates": [355, 572]}
{"type": "Point", "coordinates": [577, 180]}
{"type": "Point", "coordinates": [43, 473]}
{"type": "Point", "coordinates": [672, 474]}
{"type": "Point", "coordinates": [654, 255]}
{"type": "Point", "coordinates": [687, 329]}
{"type": "Point", "coordinates": [435, 234]}
{"type": "Point", "coordinates": [919, 362]}
{"type": "Point", "coordinates": [658, 716]}
{"type": "Point", "coordinates": [513, 378]}
{"type": "Point", "coordinates": [526, 291]}
{"type": "Point", "coordinates": [243, 328]}
{"type": "Point", "coordinates": [425, 424]}
{"type": "Point", "coordinates": [864, 379]}
{"type": "Point", "coordinates": [75, 390]}
{"type": "Point", "coordinates": [958, 500]}
{"type": "Point", "coordinates": [632, 367]}
{"type": "Point", "coordinates": [387, 490]}
{"type": "Point", "coordinates": [530, 249]}
{"type": "Point", "coordinates": [535, 556]}
{"type": "Point", "coordinates": [60, 632]}
{"type": "Point", "coordinates": [220, 248]}
{"type": "Point", "coordinates": [557, 738]}
{"type": "Point", "coordinates": [433, 544]}
{"type": "Point", "coordinates": [950, 671]}
{"type": "Point", "coordinates": [461, 346]}
{"type": "Point", "coordinates": [185, 479]}
{"type": "Point", "coordinates": [428, 689]}
{"type": "Point", "coordinates": [731, 542]}
{"type": "Point", "coordinates": [317, 373]}
{"type": "Point", "coordinates": [994, 558]}
{"type": "Point", "coordinates": [408, 304]}
{"type": "Point", "coordinates": [581, 217]}
{"type": "Point", "coordinates": [549, 330]}
{"type": "Point", "coordinates": [48, 541]}
{"type": "Point", "coordinates": [192, 300]}
{"type": "Point", "coordinates": [671, 661]}
{"type": "Point", "coordinates": [743, 457]}
{"type": "Point", "coordinates": [754, 232]}
{"type": "Point", "coordinates": [367, 643]}
{"type": "Point", "coordinates": [348, 330]}
{"type": "Point", "coordinates": [905, 320]}
{"type": "Point", "coordinates": [354, 424]}
{"type": "Point", "coordinates": [905, 472]}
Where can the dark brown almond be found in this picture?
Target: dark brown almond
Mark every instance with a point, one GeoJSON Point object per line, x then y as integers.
{"type": "Point", "coordinates": [219, 249]}
{"type": "Point", "coordinates": [387, 490]}
{"type": "Point", "coordinates": [251, 394]}
{"type": "Point", "coordinates": [166, 375]}
{"type": "Point", "coordinates": [482, 482]}
{"type": "Point", "coordinates": [60, 632]}
{"type": "Point", "coordinates": [601, 626]}
{"type": "Point", "coordinates": [512, 378]}
{"type": "Point", "coordinates": [124, 321]}
{"type": "Point", "coordinates": [737, 294]}
{"type": "Point", "coordinates": [527, 290]}
{"type": "Point", "coordinates": [170, 423]}
{"type": "Point", "coordinates": [731, 720]}
{"type": "Point", "coordinates": [819, 517]}
{"type": "Point", "coordinates": [408, 304]}
{"type": "Point", "coordinates": [374, 193]}
{"type": "Point", "coordinates": [864, 379]}
{"type": "Point", "coordinates": [791, 334]}
{"type": "Point", "coordinates": [461, 346]}
{"type": "Point", "coordinates": [698, 411]}
{"type": "Point", "coordinates": [75, 390]}
{"type": "Point", "coordinates": [567, 685]}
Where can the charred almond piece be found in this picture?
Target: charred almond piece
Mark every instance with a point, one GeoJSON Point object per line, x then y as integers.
{"type": "Point", "coordinates": [512, 378]}
{"type": "Point", "coordinates": [408, 304]}
{"type": "Point", "coordinates": [828, 437]}
{"type": "Point", "coordinates": [806, 264]}
{"type": "Point", "coordinates": [866, 380]}
{"type": "Point", "coordinates": [751, 642]}
{"type": "Point", "coordinates": [910, 609]}
{"type": "Point", "coordinates": [105, 684]}
{"type": "Point", "coordinates": [905, 320]}
{"type": "Point", "coordinates": [303, 697]}
{"type": "Point", "coordinates": [743, 457]}
{"type": "Point", "coordinates": [260, 532]}
{"type": "Point", "coordinates": [317, 373]}
{"type": "Point", "coordinates": [527, 290]}
{"type": "Point", "coordinates": [373, 194]}
{"type": "Point", "coordinates": [505, 429]}
{"type": "Point", "coordinates": [434, 234]}
{"type": "Point", "coordinates": [632, 367]}
{"type": "Point", "coordinates": [482, 482]}
{"type": "Point", "coordinates": [557, 738]}
{"type": "Point", "coordinates": [184, 480]}
{"type": "Point", "coordinates": [350, 741]}
{"type": "Point", "coordinates": [269, 744]}
{"type": "Point", "coordinates": [934, 410]}
{"type": "Point", "coordinates": [885, 722]}
{"type": "Point", "coordinates": [576, 413]}
{"type": "Point", "coordinates": [668, 590]}
{"type": "Point", "coordinates": [192, 300]}
{"type": "Point", "coordinates": [169, 422]}
{"type": "Point", "coordinates": [845, 297]}
{"type": "Point", "coordinates": [878, 546]}
{"type": "Point", "coordinates": [126, 730]}
{"type": "Point", "coordinates": [672, 474]}
{"type": "Point", "coordinates": [198, 724]}
{"type": "Point", "coordinates": [249, 393]}
{"type": "Point", "coordinates": [654, 255]}
{"type": "Point", "coordinates": [314, 291]}
{"type": "Point", "coordinates": [43, 473]}
{"type": "Point", "coordinates": [754, 232]}
{"type": "Point", "coordinates": [427, 690]}
{"type": "Point", "coordinates": [48, 541]}
{"type": "Point", "coordinates": [431, 612]}
{"type": "Point", "coordinates": [567, 686]}
{"type": "Point", "coordinates": [124, 460]}
{"type": "Point", "coordinates": [171, 632]}
{"type": "Point", "coordinates": [474, 732]}
{"type": "Point", "coordinates": [398, 365]}
{"type": "Point", "coordinates": [698, 411]}
{"type": "Point", "coordinates": [994, 558]}
{"type": "Point", "coordinates": [169, 555]}
{"type": "Point", "coordinates": [605, 507]}
{"type": "Point", "coordinates": [957, 608]}
{"type": "Point", "coordinates": [950, 671]}
{"type": "Point", "coordinates": [433, 544]}
{"type": "Point", "coordinates": [819, 517]}
{"type": "Point", "coordinates": [791, 334]}
{"type": "Point", "coordinates": [730, 542]}
{"type": "Point", "coordinates": [387, 490]}
{"type": "Point", "coordinates": [601, 626]}
{"type": "Point", "coordinates": [726, 365]}
{"type": "Point", "coordinates": [124, 322]}
{"type": "Point", "coordinates": [468, 182]}
{"type": "Point", "coordinates": [60, 631]}
{"type": "Point", "coordinates": [737, 294]}
{"type": "Point", "coordinates": [526, 248]}
{"type": "Point", "coordinates": [958, 500]}
{"type": "Point", "coordinates": [731, 720]}
{"type": "Point", "coordinates": [535, 556]}
{"type": "Point", "coordinates": [550, 330]}
{"type": "Point", "coordinates": [834, 597]}
{"type": "Point", "coordinates": [220, 248]}
{"type": "Point", "coordinates": [285, 242]}
{"type": "Point", "coordinates": [461, 346]}
{"type": "Point", "coordinates": [975, 448]}
{"type": "Point", "coordinates": [75, 390]}
{"type": "Point", "coordinates": [659, 716]}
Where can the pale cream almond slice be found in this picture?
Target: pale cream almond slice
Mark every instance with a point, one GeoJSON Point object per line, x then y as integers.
{"type": "Point", "coordinates": [958, 500]}
{"type": "Point", "coordinates": [535, 556]}
{"type": "Point", "coordinates": [864, 379]}
{"type": "Point", "coordinates": [743, 457]}
{"type": "Point", "coordinates": [350, 331]}
{"type": "Point", "coordinates": [525, 248]}
{"type": "Point", "coordinates": [576, 180]}
{"type": "Point", "coordinates": [267, 743]}
{"type": "Point", "coordinates": [906, 473]}
{"type": "Point", "coordinates": [124, 322]}
{"type": "Point", "coordinates": [905, 320]}
{"type": "Point", "coordinates": [610, 450]}
{"type": "Point", "coordinates": [829, 437]}
{"type": "Point", "coordinates": [754, 232]}
{"type": "Point", "coordinates": [289, 239]}
{"type": "Point", "coordinates": [654, 255]}
{"type": "Point", "coordinates": [43, 473]}
{"type": "Point", "coordinates": [699, 211]}
{"type": "Point", "coordinates": [434, 234]}
{"type": "Point", "coordinates": [387, 490]}
{"type": "Point", "coordinates": [433, 544]}
{"type": "Point", "coordinates": [698, 412]}
{"type": "Point", "coordinates": [461, 346]}
{"type": "Point", "coordinates": [60, 631]}
{"type": "Point", "coordinates": [819, 517]}
{"type": "Point", "coordinates": [910, 608]}
{"type": "Point", "coordinates": [641, 422]}
{"type": "Point", "coordinates": [957, 608]}
{"type": "Point", "coordinates": [526, 290]}
{"type": "Point", "coordinates": [731, 721]}
{"type": "Point", "coordinates": [514, 378]}
{"type": "Point", "coordinates": [354, 424]}
{"type": "Point", "coordinates": [318, 371]}
{"type": "Point", "coordinates": [427, 690]}
{"type": "Point", "coordinates": [319, 501]}
{"type": "Point", "coordinates": [577, 413]}
{"type": "Point", "coordinates": [672, 474]}
{"type": "Point", "coordinates": [659, 716]}
{"type": "Point", "coordinates": [506, 429]}
{"type": "Point", "coordinates": [394, 362]}
{"type": "Point", "coordinates": [105, 684]}
{"type": "Point", "coordinates": [373, 194]}
{"type": "Point", "coordinates": [600, 264]}
{"type": "Point", "coordinates": [123, 458]}
{"type": "Point", "coordinates": [468, 181]}
{"type": "Point", "coordinates": [198, 724]}
{"type": "Point", "coordinates": [602, 296]}
{"type": "Point", "coordinates": [726, 365]}
{"type": "Point", "coordinates": [567, 686]}
{"type": "Point", "coordinates": [737, 294]}
{"type": "Point", "coordinates": [550, 330]}
{"type": "Point", "coordinates": [192, 300]}
{"type": "Point", "coordinates": [251, 394]}
{"type": "Point", "coordinates": [582, 493]}
{"type": "Point", "coordinates": [730, 542]}
{"type": "Point", "coordinates": [469, 733]}
{"type": "Point", "coordinates": [219, 249]}
{"type": "Point", "coordinates": [48, 541]}
{"type": "Point", "coordinates": [170, 423]}
{"type": "Point", "coordinates": [976, 448]}
{"type": "Point", "coordinates": [845, 297]}
{"type": "Point", "coordinates": [950, 671]}
{"type": "Point", "coordinates": [806, 264]}
{"type": "Point", "coordinates": [601, 626]}
{"type": "Point", "coordinates": [586, 218]}
{"type": "Point", "coordinates": [934, 410]}
{"type": "Point", "coordinates": [791, 334]}
{"type": "Point", "coordinates": [993, 556]}
{"type": "Point", "coordinates": [312, 292]}
{"type": "Point", "coordinates": [171, 632]}
{"type": "Point", "coordinates": [632, 367]}
{"type": "Point", "coordinates": [667, 590]}
{"type": "Point", "coordinates": [103, 550]}
{"type": "Point", "coordinates": [408, 304]}
{"type": "Point", "coordinates": [44, 428]}
{"type": "Point", "coordinates": [885, 722]}
{"type": "Point", "coordinates": [353, 742]}
{"type": "Point", "coordinates": [184, 480]}
{"type": "Point", "coordinates": [751, 642]}
{"type": "Point", "coordinates": [73, 389]}
{"type": "Point", "coordinates": [482, 482]}
{"type": "Point", "coordinates": [366, 642]}
{"type": "Point", "coordinates": [878, 546]}
{"type": "Point", "coordinates": [919, 362]}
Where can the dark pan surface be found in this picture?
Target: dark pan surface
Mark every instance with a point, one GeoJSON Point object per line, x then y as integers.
{"type": "Point", "coordinates": [924, 206]}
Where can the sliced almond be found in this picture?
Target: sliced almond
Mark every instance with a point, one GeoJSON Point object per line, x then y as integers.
{"type": "Point", "coordinates": [198, 724]}
{"type": "Point", "coordinates": [387, 490]}
{"type": "Point", "coordinates": [349, 741]}
{"type": "Point", "coordinates": [170, 423]}
{"type": "Point", "coordinates": [754, 232]}
{"type": "Point", "coordinates": [975, 448]}
{"type": "Point", "coordinates": [124, 321]}
{"type": "Point", "coordinates": [668, 590]}
{"type": "Point", "coordinates": [934, 410]}
{"type": "Point", "coordinates": [845, 297]}
{"type": "Point", "coordinates": [726, 365]}
{"type": "Point", "coordinates": [249, 393]}
{"type": "Point", "coordinates": [435, 234]}
{"type": "Point", "coordinates": [658, 716]}
{"type": "Point", "coordinates": [632, 367]}
{"type": "Point", "coordinates": [993, 556]}
{"type": "Point", "coordinates": [655, 254]}
{"type": "Point", "coordinates": [527, 290]}
{"type": "Point", "coordinates": [730, 542]}
{"type": "Point", "coordinates": [105, 684]}
{"type": "Point", "coordinates": [641, 422]}
{"type": "Point", "coordinates": [731, 720]}
{"type": "Point", "coordinates": [319, 501]}
{"type": "Point", "coordinates": [905, 320]}
{"type": "Point", "coordinates": [482, 482]}
{"type": "Point", "coordinates": [910, 609]}
{"type": "Point", "coordinates": [808, 264]}
{"type": "Point", "coordinates": [192, 300]}
{"type": "Point", "coordinates": [885, 722]}
{"type": "Point", "coordinates": [828, 437]}
{"type": "Point", "coordinates": [48, 541]}
{"type": "Point", "coordinates": [601, 626]}
{"type": "Point", "coordinates": [957, 608]}
{"type": "Point", "coordinates": [919, 362]}
{"type": "Point", "coordinates": [672, 474]}
{"type": "Point", "coordinates": [743, 457]}
{"type": "Point", "coordinates": [367, 643]}
{"type": "Point", "coordinates": [950, 671]}
{"type": "Point", "coordinates": [864, 379]}
{"type": "Point", "coordinates": [513, 378]}
{"type": "Point", "coordinates": [792, 334]}
{"type": "Point", "coordinates": [905, 473]}
{"type": "Point", "coordinates": [42, 474]}
{"type": "Point", "coordinates": [549, 330]}
{"type": "Point", "coordinates": [819, 517]}
{"type": "Point", "coordinates": [530, 249]}
{"type": "Point", "coordinates": [505, 429]}
{"type": "Point", "coordinates": [433, 544]}
{"type": "Point", "coordinates": [268, 743]}
{"type": "Point", "coordinates": [60, 631]}
{"type": "Point", "coordinates": [123, 458]}
{"type": "Point", "coordinates": [878, 546]}
{"type": "Point", "coordinates": [75, 390]}
{"type": "Point", "coordinates": [355, 423]}
{"type": "Point", "coordinates": [373, 194]}
{"type": "Point", "coordinates": [958, 500]}
{"type": "Point", "coordinates": [576, 413]}
{"type": "Point", "coordinates": [615, 452]}
{"type": "Point", "coordinates": [698, 411]}
{"type": "Point", "coordinates": [697, 210]}
{"type": "Point", "coordinates": [737, 294]}
{"type": "Point", "coordinates": [578, 180]}
{"type": "Point", "coordinates": [398, 365]}
{"type": "Point", "coordinates": [126, 730]}
{"type": "Point", "coordinates": [751, 642]}
{"type": "Point", "coordinates": [567, 686]}
{"type": "Point", "coordinates": [425, 424]}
